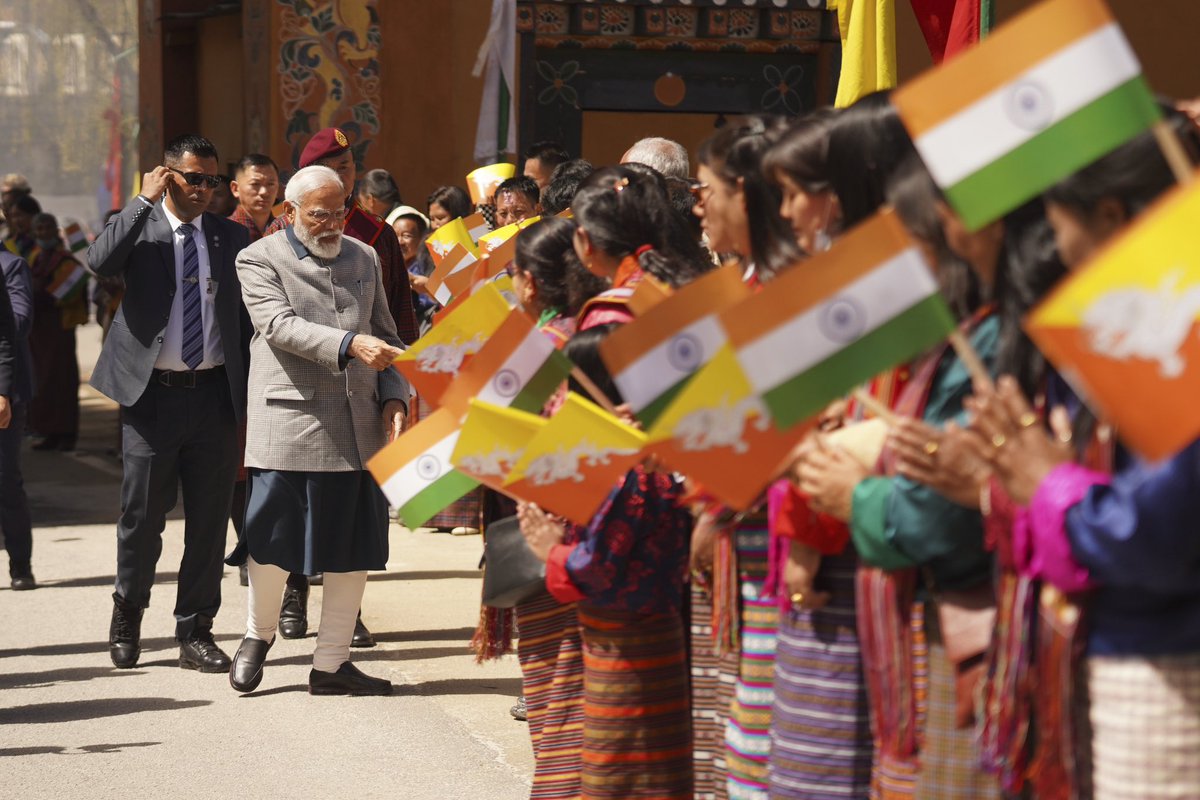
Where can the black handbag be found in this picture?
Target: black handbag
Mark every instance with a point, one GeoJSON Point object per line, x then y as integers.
{"type": "Point", "coordinates": [512, 573]}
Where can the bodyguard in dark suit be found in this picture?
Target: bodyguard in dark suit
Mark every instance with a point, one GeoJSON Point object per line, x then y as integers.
{"type": "Point", "coordinates": [175, 359]}
{"type": "Point", "coordinates": [14, 505]}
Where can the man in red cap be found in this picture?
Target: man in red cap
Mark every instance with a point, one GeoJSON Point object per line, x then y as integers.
{"type": "Point", "coordinates": [330, 147]}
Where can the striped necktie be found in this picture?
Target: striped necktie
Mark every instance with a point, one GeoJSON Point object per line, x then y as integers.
{"type": "Point", "coordinates": [193, 323]}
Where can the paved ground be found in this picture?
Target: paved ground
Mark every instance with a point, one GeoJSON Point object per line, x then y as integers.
{"type": "Point", "coordinates": [72, 726]}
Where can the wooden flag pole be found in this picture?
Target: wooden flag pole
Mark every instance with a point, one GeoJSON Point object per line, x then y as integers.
{"type": "Point", "coordinates": [595, 391]}
{"type": "Point", "coordinates": [1173, 152]}
{"type": "Point", "coordinates": [971, 360]}
{"type": "Point", "coordinates": [876, 407]}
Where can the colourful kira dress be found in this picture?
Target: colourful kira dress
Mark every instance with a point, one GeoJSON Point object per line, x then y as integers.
{"type": "Point", "coordinates": [625, 571]}
{"type": "Point", "coordinates": [550, 650]}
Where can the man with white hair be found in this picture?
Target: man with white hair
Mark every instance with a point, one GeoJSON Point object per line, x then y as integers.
{"type": "Point", "coordinates": [320, 378]}
{"type": "Point", "coordinates": [668, 157]}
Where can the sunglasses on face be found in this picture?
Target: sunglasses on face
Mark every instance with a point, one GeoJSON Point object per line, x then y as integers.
{"type": "Point", "coordinates": [198, 179]}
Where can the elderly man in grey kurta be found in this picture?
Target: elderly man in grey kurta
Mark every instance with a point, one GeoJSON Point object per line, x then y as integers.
{"type": "Point", "coordinates": [323, 398]}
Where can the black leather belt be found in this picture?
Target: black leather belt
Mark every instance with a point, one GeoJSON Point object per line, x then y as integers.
{"type": "Point", "coordinates": [186, 380]}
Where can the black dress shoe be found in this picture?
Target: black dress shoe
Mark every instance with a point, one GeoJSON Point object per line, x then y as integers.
{"type": "Point", "coordinates": [125, 634]}
{"type": "Point", "coordinates": [293, 614]}
{"type": "Point", "coordinates": [362, 636]}
{"type": "Point", "coordinates": [247, 670]}
{"type": "Point", "coordinates": [22, 576]}
{"type": "Point", "coordinates": [200, 652]}
{"type": "Point", "coordinates": [347, 680]}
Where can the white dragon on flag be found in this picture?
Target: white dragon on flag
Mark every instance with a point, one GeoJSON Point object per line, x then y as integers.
{"type": "Point", "coordinates": [1144, 323]}
{"type": "Point", "coordinates": [563, 466]}
{"type": "Point", "coordinates": [722, 425]}
{"type": "Point", "coordinates": [448, 357]}
{"type": "Point", "coordinates": [497, 463]}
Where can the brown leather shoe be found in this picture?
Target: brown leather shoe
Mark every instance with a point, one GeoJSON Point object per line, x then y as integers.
{"type": "Point", "coordinates": [347, 680]}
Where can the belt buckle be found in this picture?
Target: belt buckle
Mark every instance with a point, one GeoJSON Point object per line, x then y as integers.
{"type": "Point", "coordinates": [164, 377]}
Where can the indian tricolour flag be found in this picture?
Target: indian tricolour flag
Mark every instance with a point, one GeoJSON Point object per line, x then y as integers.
{"type": "Point", "coordinates": [76, 238]}
{"type": "Point", "coordinates": [1045, 95]}
{"type": "Point", "coordinates": [654, 356]}
{"type": "Point", "coordinates": [519, 367]}
{"type": "Point", "coordinates": [1125, 329]}
{"type": "Point", "coordinates": [867, 304]}
{"type": "Point", "coordinates": [415, 471]}
{"type": "Point", "coordinates": [69, 277]}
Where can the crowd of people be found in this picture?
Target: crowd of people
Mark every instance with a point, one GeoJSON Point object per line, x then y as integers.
{"type": "Point", "coordinates": [988, 596]}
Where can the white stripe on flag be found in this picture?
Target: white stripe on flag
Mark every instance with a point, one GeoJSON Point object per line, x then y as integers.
{"type": "Point", "coordinates": [663, 366]}
{"type": "Point", "coordinates": [417, 475]}
{"type": "Point", "coordinates": [68, 283]}
{"type": "Point", "coordinates": [516, 371]}
{"type": "Point", "coordinates": [1067, 81]}
{"type": "Point", "coordinates": [869, 303]}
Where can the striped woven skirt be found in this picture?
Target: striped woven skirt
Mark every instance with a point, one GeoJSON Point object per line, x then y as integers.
{"type": "Point", "coordinates": [821, 746]}
{"type": "Point", "coordinates": [551, 654]}
{"type": "Point", "coordinates": [637, 732]}
{"type": "Point", "coordinates": [1145, 716]}
{"type": "Point", "coordinates": [950, 763]}
{"type": "Point", "coordinates": [713, 678]}
{"type": "Point", "coordinates": [747, 734]}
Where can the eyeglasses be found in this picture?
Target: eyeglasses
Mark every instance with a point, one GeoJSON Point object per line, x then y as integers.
{"type": "Point", "coordinates": [199, 178]}
{"type": "Point", "coordinates": [321, 215]}
{"type": "Point", "coordinates": [697, 188]}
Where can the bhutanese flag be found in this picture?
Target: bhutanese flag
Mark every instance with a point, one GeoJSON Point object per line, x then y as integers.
{"type": "Point", "coordinates": [1043, 96]}
{"type": "Point", "coordinates": [499, 248]}
{"type": "Point", "coordinates": [76, 238]}
{"type": "Point", "coordinates": [519, 366]}
{"type": "Point", "coordinates": [492, 441]}
{"type": "Point", "coordinates": [455, 268]}
{"type": "Point", "coordinates": [1124, 331]}
{"type": "Point", "coordinates": [818, 330]}
{"type": "Point", "coordinates": [572, 463]}
{"type": "Point", "coordinates": [653, 357]}
{"type": "Point", "coordinates": [69, 277]}
{"type": "Point", "coordinates": [483, 182]}
{"type": "Point", "coordinates": [442, 241]}
{"type": "Point", "coordinates": [435, 359]}
{"type": "Point", "coordinates": [720, 434]}
{"type": "Point", "coordinates": [477, 226]}
{"type": "Point", "coordinates": [415, 471]}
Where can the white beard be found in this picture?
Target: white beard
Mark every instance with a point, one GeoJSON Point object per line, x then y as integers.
{"type": "Point", "coordinates": [326, 250]}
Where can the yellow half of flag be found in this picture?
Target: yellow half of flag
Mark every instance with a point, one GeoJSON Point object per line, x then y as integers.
{"type": "Point", "coordinates": [493, 440]}
{"type": "Point", "coordinates": [720, 434]}
{"type": "Point", "coordinates": [436, 358]}
{"type": "Point", "coordinates": [442, 241]}
{"type": "Point", "coordinates": [483, 181]}
{"type": "Point", "coordinates": [1124, 329]}
{"type": "Point", "coordinates": [575, 461]}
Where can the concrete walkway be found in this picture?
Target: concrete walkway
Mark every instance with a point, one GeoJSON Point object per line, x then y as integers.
{"type": "Point", "coordinates": [73, 726]}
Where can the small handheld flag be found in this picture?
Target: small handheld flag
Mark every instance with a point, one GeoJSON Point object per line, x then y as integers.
{"type": "Point", "coordinates": [492, 441]}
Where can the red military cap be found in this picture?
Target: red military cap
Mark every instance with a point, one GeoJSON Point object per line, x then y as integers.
{"type": "Point", "coordinates": [327, 143]}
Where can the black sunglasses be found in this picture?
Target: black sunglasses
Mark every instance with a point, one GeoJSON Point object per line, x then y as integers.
{"type": "Point", "coordinates": [199, 178]}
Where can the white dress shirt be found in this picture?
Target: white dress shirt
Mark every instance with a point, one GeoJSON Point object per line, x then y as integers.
{"type": "Point", "coordinates": [171, 355]}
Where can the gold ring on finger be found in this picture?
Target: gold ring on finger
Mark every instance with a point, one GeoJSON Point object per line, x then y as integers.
{"type": "Point", "coordinates": [998, 440]}
{"type": "Point", "coordinates": [1028, 419]}
{"type": "Point", "coordinates": [931, 448]}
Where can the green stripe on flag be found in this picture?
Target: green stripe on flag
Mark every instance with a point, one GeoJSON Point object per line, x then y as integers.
{"type": "Point", "coordinates": [650, 414]}
{"type": "Point", "coordinates": [897, 341]}
{"type": "Point", "coordinates": [541, 386]}
{"type": "Point", "coordinates": [1053, 154]}
{"type": "Point", "coordinates": [435, 497]}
